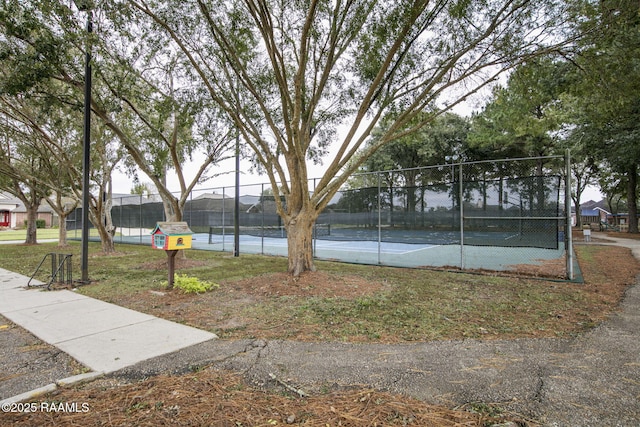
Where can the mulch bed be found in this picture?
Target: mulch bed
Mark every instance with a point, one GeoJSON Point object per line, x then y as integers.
{"type": "Point", "coordinates": [214, 398]}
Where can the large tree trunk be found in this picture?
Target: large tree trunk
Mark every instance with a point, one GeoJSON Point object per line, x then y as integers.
{"type": "Point", "coordinates": [632, 198]}
{"type": "Point", "coordinates": [576, 205]}
{"type": "Point", "coordinates": [107, 230]}
{"type": "Point", "coordinates": [100, 217]}
{"type": "Point", "coordinates": [63, 209]}
{"type": "Point", "coordinates": [173, 208]}
{"type": "Point", "coordinates": [62, 231]}
{"type": "Point", "coordinates": [32, 216]}
{"type": "Point", "coordinates": [31, 201]}
{"type": "Point", "coordinates": [106, 239]}
{"type": "Point", "coordinates": [104, 227]}
{"type": "Point", "coordinates": [300, 242]}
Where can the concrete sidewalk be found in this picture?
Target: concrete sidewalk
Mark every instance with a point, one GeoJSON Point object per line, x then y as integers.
{"type": "Point", "coordinates": [104, 337]}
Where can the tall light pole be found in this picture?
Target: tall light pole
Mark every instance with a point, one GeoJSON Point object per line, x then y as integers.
{"type": "Point", "coordinates": [86, 6]}
{"type": "Point", "coordinates": [236, 208]}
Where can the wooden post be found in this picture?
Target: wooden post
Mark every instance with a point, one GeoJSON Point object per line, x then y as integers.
{"type": "Point", "coordinates": [171, 262]}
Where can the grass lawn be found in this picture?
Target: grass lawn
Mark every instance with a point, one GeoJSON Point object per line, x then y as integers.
{"type": "Point", "coordinates": [42, 234]}
{"type": "Point", "coordinates": [346, 302]}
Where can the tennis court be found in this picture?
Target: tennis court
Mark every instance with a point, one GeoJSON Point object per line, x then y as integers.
{"type": "Point", "coordinates": [502, 215]}
{"type": "Point", "coordinates": [498, 258]}
{"type": "Point", "coordinates": [443, 251]}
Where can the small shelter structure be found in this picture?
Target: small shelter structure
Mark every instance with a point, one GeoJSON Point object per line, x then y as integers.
{"type": "Point", "coordinates": [170, 236]}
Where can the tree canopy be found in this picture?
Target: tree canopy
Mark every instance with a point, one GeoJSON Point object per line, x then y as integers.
{"type": "Point", "coordinates": [289, 73]}
{"type": "Point", "coordinates": [609, 61]}
{"type": "Point", "coordinates": [138, 93]}
{"type": "Point", "coordinates": [175, 77]}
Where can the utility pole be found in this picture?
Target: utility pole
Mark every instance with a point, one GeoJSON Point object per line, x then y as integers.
{"type": "Point", "coordinates": [86, 6]}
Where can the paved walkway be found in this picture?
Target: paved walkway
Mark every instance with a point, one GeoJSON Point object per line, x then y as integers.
{"type": "Point", "coordinates": [592, 380]}
{"type": "Point", "coordinates": [103, 337]}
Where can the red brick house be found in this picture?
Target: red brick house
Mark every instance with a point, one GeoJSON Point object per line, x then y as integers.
{"type": "Point", "coordinates": [13, 213]}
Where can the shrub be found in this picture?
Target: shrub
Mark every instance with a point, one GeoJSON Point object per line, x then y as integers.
{"type": "Point", "coordinates": [40, 223]}
{"type": "Point", "coordinates": [191, 285]}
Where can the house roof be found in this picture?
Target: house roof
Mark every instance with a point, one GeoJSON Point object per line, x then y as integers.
{"type": "Point", "coordinates": [6, 203]}
{"type": "Point", "coordinates": [591, 204]}
{"type": "Point", "coordinates": [590, 212]}
{"type": "Point", "coordinates": [213, 196]}
{"type": "Point", "coordinates": [7, 199]}
{"type": "Point", "coordinates": [593, 212]}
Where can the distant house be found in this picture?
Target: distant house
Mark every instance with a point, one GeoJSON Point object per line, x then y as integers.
{"type": "Point", "coordinates": [591, 212]}
{"type": "Point", "coordinates": [258, 204]}
{"type": "Point", "coordinates": [7, 207]}
{"type": "Point", "coordinates": [595, 213]}
{"type": "Point", "coordinates": [594, 216]}
{"type": "Point", "coordinates": [620, 220]}
{"type": "Point", "coordinates": [13, 213]}
{"type": "Point", "coordinates": [211, 202]}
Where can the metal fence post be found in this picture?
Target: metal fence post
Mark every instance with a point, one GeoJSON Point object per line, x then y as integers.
{"type": "Point", "coordinates": [380, 217]}
{"type": "Point", "coordinates": [191, 207]}
{"type": "Point", "coordinates": [120, 220]}
{"type": "Point", "coordinates": [567, 201]}
{"type": "Point", "coordinates": [461, 202]}
{"type": "Point", "coordinates": [224, 203]}
{"type": "Point", "coordinates": [262, 209]}
{"type": "Point", "coordinates": [314, 230]}
{"type": "Point", "coordinates": [140, 218]}
{"type": "Point", "coordinates": [236, 209]}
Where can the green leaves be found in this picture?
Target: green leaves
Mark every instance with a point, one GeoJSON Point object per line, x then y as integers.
{"type": "Point", "coordinates": [29, 52]}
{"type": "Point", "coordinates": [428, 145]}
{"type": "Point", "coordinates": [523, 118]}
{"type": "Point", "coordinates": [459, 9]}
{"type": "Point", "coordinates": [193, 285]}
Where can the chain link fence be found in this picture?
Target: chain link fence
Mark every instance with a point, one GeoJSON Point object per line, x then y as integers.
{"type": "Point", "coordinates": [506, 215]}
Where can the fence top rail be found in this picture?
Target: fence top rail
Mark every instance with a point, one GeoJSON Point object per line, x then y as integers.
{"type": "Point", "coordinates": [458, 163]}
{"type": "Point", "coordinates": [542, 218]}
{"type": "Point", "coordinates": [263, 185]}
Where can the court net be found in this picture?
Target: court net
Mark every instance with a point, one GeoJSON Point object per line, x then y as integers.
{"type": "Point", "coordinates": [218, 234]}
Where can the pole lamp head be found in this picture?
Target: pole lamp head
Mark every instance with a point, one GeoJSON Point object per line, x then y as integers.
{"type": "Point", "coordinates": [84, 5]}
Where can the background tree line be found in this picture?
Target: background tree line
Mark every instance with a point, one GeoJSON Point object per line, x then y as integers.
{"type": "Point", "coordinates": [583, 98]}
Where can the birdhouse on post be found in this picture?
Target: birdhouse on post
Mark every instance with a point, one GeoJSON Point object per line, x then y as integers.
{"type": "Point", "coordinates": [171, 237]}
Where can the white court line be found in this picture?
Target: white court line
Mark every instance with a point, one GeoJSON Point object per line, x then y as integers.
{"type": "Point", "coordinates": [422, 249]}
{"type": "Point", "coordinates": [337, 245]}
{"type": "Point", "coordinates": [369, 249]}
{"type": "Point", "coordinates": [329, 243]}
